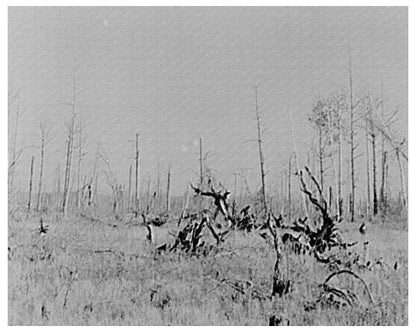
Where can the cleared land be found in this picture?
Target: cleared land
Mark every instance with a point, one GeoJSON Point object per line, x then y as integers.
{"type": "Point", "coordinates": [96, 272]}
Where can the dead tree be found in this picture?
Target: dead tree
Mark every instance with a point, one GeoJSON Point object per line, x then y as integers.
{"type": "Point", "coordinates": [339, 128]}
{"type": "Point", "coordinates": [168, 192]}
{"type": "Point", "coordinates": [331, 144]}
{"type": "Point", "coordinates": [289, 194]}
{"type": "Point", "coordinates": [137, 193]}
{"type": "Point", "coordinates": [320, 122]}
{"type": "Point", "coordinates": [201, 174]}
{"type": "Point", "coordinates": [148, 199]}
{"type": "Point", "coordinates": [367, 157]}
{"type": "Point", "coordinates": [95, 192]}
{"type": "Point", "coordinates": [44, 131]}
{"type": "Point", "coordinates": [403, 189]}
{"type": "Point", "coordinates": [398, 148]}
{"type": "Point", "coordinates": [352, 105]}
{"type": "Point", "coordinates": [383, 158]}
{"type": "Point", "coordinates": [30, 183]}
{"type": "Point", "coordinates": [220, 201]}
{"type": "Point", "coordinates": [383, 187]}
{"type": "Point", "coordinates": [373, 144]}
{"type": "Point", "coordinates": [57, 185]}
{"type": "Point", "coordinates": [129, 192]}
{"type": "Point", "coordinates": [261, 157]}
{"type": "Point", "coordinates": [235, 185]}
{"type": "Point", "coordinates": [69, 151]}
{"type": "Point", "coordinates": [156, 193]}
{"type": "Point", "coordinates": [326, 235]}
{"type": "Point", "coordinates": [280, 286]}
{"type": "Point", "coordinates": [112, 182]}
{"type": "Point", "coordinates": [80, 155]}
{"type": "Point", "coordinates": [185, 208]}
{"type": "Point", "coordinates": [93, 181]}
{"type": "Point", "coordinates": [70, 146]}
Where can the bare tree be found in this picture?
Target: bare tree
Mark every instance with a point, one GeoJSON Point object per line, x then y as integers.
{"type": "Point", "coordinates": [386, 130]}
{"type": "Point", "coordinates": [201, 175]}
{"type": "Point", "coordinates": [44, 132]}
{"type": "Point", "coordinates": [69, 151]}
{"type": "Point", "coordinates": [383, 187]}
{"type": "Point", "coordinates": [30, 184]}
{"type": "Point", "coordinates": [70, 144]}
{"type": "Point", "coordinates": [261, 157]}
{"type": "Point", "coordinates": [340, 107]}
{"type": "Point", "coordinates": [403, 188]}
{"type": "Point", "coordinates": [367, 155]}
{"type": "Point", "coordinates": [352, 105]}
{"type": "Point", "coordinates": [289, 193]}
{"type": "Point", "coordinates": [94, 177]}
{"type": "Point", "coordinates": [157, 191]}
{"type": "Point", "coordinates": [168, 192]}
{"type": "Point", "coordinates": [137, 192]}
{"type": "Point", "coordinates": [320, 122]}
{"type": "Point", "coordinates": [116, 189]}
{"type": "Point", "coordinates": [373, 144]}
{"type": "Point", "coordinates": [58, 187]}
{"type": "Point", "coordinates": [129, 192]}
{"type": "Point", "coordinates": [148, 195]}
{"type": "Point", "coordinates": [81, 154]}
{"type": "Point", "coordinates": [383, 158]}
{"type": "Point", "coordinates": [332, 150]}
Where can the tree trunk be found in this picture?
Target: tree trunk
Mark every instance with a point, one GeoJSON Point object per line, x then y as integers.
{"type": "Point", "coordinates": [261, 158]}
{"type": "Point", "coordinates": [42, 151]}
{"type": "Point", "coordinates": [352, 200]}
{"type": "Point", "coordinates": [68, 165]}
{"type": "Point", "coordinates": [168, 193]}
{"type": "Point", "coordinates": [383, 189]}
{"type": "Point", "coordinates": [383, 160]}
{"type": "Point", "coordinates": [386, 189]}
{"type": "Point", "coordinates": [373, 143]}
{"type": "Point", "coordinates": [321, 159]}
{"type": "Point", "coordinates": [330, 198]}
{"type": "Point", "coordinates": [339, 161]}
{"type": "Point", "coordinates": [71, 131]}
{"type": "Point", "coordinates": [156, 199]}
{"type": "Point", "coordinates": [403, 189]}
{"type": "Point", "coordinates": [289, 194]}
{"type": "Point", "coordinates": [93, 178]}
{"type": "Point", "coordinates": [58, 189]}
{"type": "Point", "coordinates": [148, 195]}
{"type": "Point", "coordinates": [367, 155]}
{"type": "Point", "coordinates": [129, 192]}
{"type": "Point", "coordinates": [137, 193]}
{"type": "Point", "coordinates": [333, 163]}
{"type": "Point", "coordinates": [96, 190]}
{"type": "Point", "coordinates": [235, 186]}
{"type": "Point", "coordinates": [79, 163]}
{"type": "Point", "coordinates": [30, 183]}
{"type": "Point", "coordinates": [201, 176]}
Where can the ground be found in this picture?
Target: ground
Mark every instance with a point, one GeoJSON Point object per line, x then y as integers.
{"type": "Point", "coordinates": [99, 272]}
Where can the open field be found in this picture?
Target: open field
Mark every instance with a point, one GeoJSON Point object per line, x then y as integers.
{"type": "Point", "coordinates": [84, 272]}
{"type": "Point", "coordinates": [208, 166]}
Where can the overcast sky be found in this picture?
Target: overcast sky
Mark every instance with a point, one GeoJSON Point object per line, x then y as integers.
{"type": "Point", "coordinates": [177, 74]}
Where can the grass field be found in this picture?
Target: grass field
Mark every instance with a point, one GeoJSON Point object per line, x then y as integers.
{"type": "Point", "coordinates": [84, 272]}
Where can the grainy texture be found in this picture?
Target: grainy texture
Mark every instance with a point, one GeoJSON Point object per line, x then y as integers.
{"type": "Point", "coordinates": [213, 166]}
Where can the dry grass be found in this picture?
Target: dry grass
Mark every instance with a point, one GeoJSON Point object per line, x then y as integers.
{"type": "Point", "coordinates": [89, 273]}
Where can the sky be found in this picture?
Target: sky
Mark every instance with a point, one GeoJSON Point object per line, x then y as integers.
{"type": "Point", "coordinates": [177, 74]}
